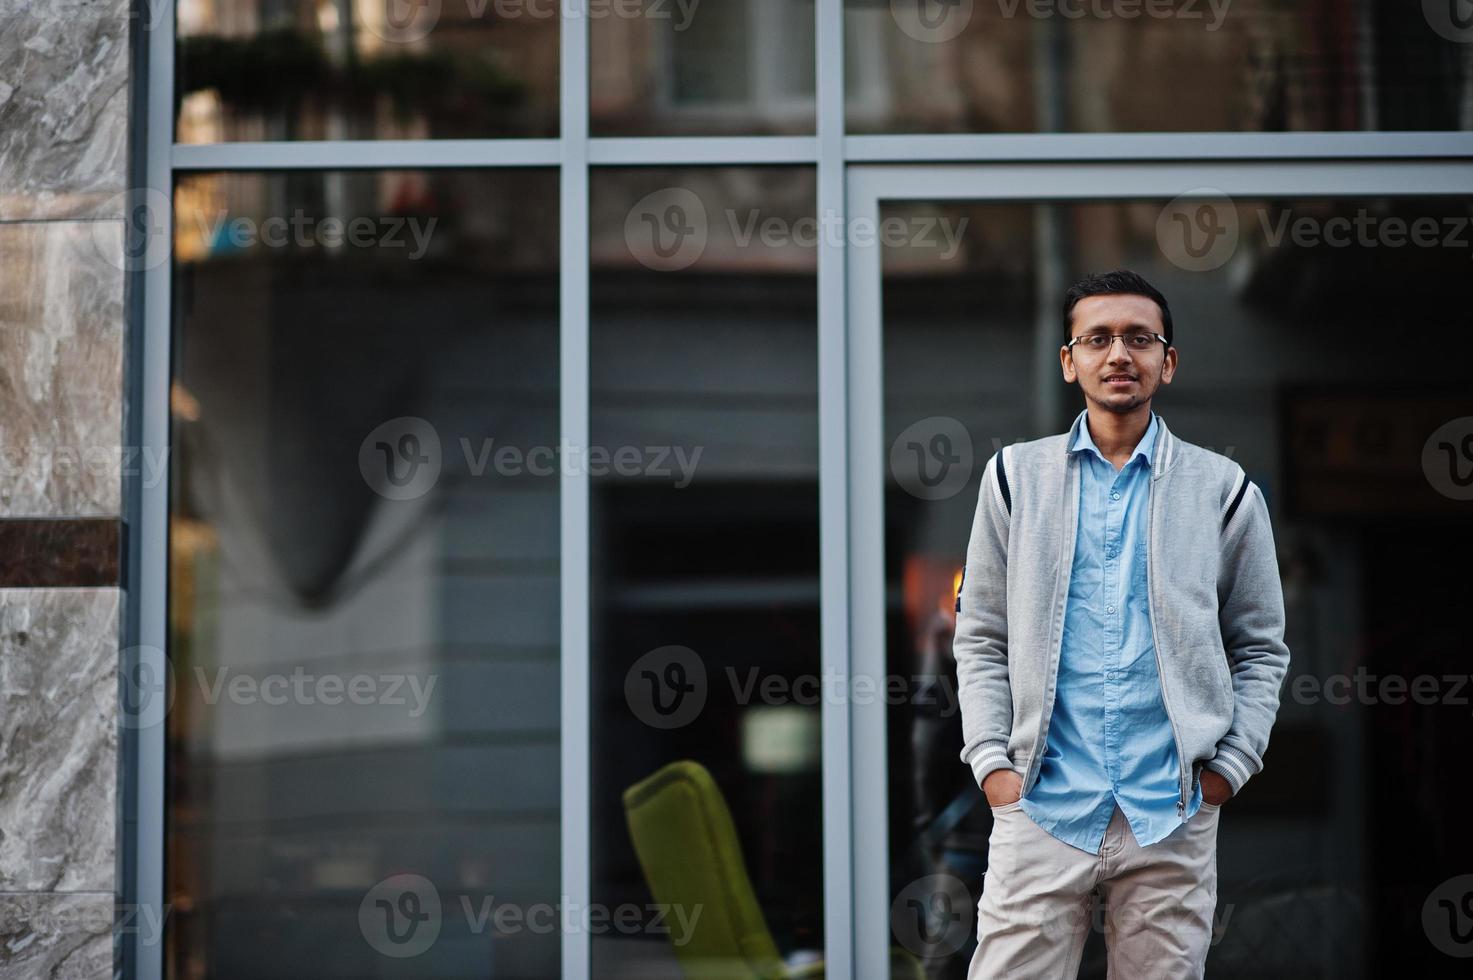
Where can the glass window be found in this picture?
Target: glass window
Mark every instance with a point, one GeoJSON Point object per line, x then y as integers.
{"type": "Point", "coordinates": [1302, 328]}
{"type": "Point", "coordinates": [713, 67]}
{"type": "Point", "coordinates": [363, 746]}
{"type": "Point", "coordinates": [705, 581]}
{"type": "Point", "coordinates": [1045, 66]}
{"type": "Point", "coordinates": [365, 69]}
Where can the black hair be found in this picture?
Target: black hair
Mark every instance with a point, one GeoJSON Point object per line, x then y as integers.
{"type": "Point", "coordinates": [1119, 282]}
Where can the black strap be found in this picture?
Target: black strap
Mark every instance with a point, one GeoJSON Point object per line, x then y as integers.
{"type": "Point", "coordinates": [1232, 507]}
{"type": "Point", "coordinates": [1007, 499]}
{"type": "Point", "coordinates": [1002, 482]}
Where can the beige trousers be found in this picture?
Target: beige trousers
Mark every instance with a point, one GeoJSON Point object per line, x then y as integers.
{"type": "Point", "coordinates": [1157, 902]}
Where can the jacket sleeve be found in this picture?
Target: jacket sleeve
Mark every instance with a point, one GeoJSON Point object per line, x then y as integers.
{"type": "Point", "coordinates": [981, 641]}
{"type": "Point", "coordinates": [1251, 616]}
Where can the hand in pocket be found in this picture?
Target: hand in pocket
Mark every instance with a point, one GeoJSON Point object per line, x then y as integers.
{"type": "Point", "coordinates": [1002, 786]}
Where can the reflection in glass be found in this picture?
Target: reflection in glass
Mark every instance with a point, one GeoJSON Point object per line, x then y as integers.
{"type": "Point", "coordinates": [705, 583]}
{"type": "Point", "coordinates": [713, 67]}
{"type": "Point", "coordinates": [365, 69]}
{"type": "Point", "coordinates": [1288, 365]}
{"type": "Point", "coordinates": [363, 590]}
{"type": "Point", "coordinates": [1044, 66]}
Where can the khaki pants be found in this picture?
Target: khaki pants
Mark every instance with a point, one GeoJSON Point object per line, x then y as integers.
{"type": "Point", "coordinates": [1158, 902]}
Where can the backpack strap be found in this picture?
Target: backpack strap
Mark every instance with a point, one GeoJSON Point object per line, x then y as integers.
{"type": "Point", "coordinates": [1007, 500]}
{"type": "Point", "coordinates": [1002, 479]}
{"type": "Point", "coordinates": [1240, 489]}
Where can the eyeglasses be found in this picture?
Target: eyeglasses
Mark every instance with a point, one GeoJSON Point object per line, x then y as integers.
{"type": "Point", "coordinates": [1137, 342]}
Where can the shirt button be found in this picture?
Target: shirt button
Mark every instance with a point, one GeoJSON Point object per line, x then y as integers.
{"type": "Point", "coordinates": [1114, 496]}
{"type": "Point", "coordinates": [1109, 609]}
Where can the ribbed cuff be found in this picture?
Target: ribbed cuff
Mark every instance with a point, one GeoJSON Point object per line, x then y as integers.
{"type": "Point", "coordinates": [1231, 765]}
{"type": "Point", "coordinates": [988, 758]}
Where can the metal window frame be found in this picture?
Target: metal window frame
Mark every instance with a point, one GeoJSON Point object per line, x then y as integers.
{"type": "Point", "coordinates": [851, 184]}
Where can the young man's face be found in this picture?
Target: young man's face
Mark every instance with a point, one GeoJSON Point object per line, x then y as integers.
{"type": "Point", "coordinates": [1118, 380]}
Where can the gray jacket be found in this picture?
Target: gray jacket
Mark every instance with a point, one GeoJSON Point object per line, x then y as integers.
{"type": "Point", "coordinates": [1216, 607]}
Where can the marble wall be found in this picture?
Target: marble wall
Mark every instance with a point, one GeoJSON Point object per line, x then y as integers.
{"type": "Point", "coordinates": [63, 141]}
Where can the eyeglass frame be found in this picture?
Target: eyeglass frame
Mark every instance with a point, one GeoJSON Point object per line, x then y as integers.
{"type": "Point", "coordinates": [1114, 337]}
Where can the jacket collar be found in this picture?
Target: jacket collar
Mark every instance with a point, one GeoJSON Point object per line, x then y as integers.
{"type": "Point", "coordinates": [1160, 455]}
{"type": "Point", "coordinates": [1083, 441]}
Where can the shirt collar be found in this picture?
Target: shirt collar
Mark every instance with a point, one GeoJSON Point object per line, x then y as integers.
{"type": "Point", "coordinates": [1081, 439]}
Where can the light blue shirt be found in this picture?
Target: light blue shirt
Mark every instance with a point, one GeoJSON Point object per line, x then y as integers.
{"type": "Point", "coordinates": [1109, 738]}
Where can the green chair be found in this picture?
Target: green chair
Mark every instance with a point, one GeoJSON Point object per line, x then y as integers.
{"type": "Point", "coordinates": [688, 848]}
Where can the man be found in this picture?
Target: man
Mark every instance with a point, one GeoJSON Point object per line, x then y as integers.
{"type": "Point", "coordinates": [1119, 649]}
